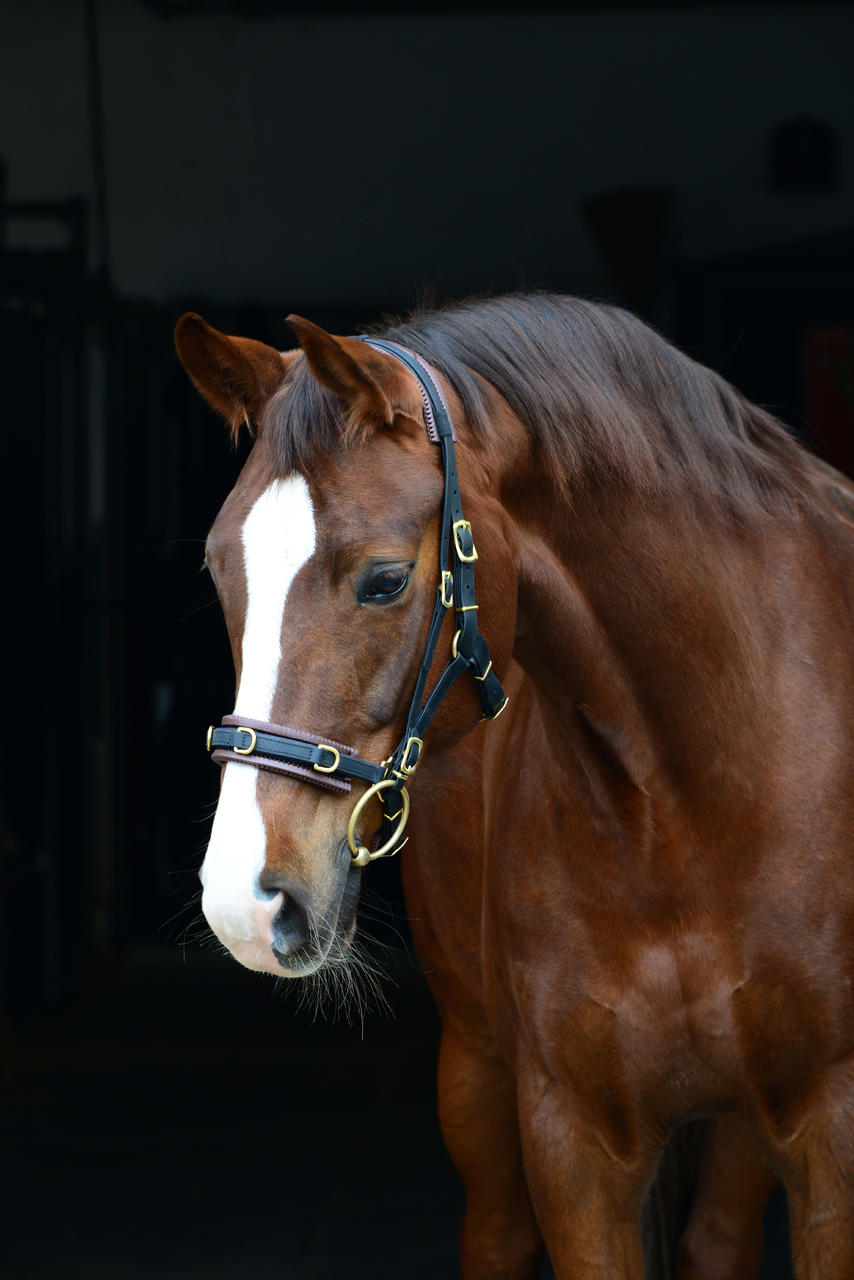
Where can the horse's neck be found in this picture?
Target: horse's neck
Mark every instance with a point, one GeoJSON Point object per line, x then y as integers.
{"type": "Point", "coordinates": [640, 624]}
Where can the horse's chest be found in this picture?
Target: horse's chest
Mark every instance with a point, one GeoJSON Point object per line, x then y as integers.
{"type": "Point", "coordinates": [655, 1028]}
{"type": "Point", "coordinates": [674, 1016]}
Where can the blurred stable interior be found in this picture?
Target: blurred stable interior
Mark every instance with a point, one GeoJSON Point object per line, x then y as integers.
{"type": "Point", "coordinates": [247, 158]}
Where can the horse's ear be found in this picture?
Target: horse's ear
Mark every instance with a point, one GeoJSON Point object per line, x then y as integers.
{"type": "Point", "coordinates": [237, 376]}
{"type": "Point", "coordinates": [376, 388]}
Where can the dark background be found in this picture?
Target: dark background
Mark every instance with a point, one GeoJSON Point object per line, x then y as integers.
{"type": "Point", "coordinates": [167, 1114]}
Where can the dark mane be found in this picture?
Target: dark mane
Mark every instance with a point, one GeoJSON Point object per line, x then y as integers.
{"type": "Point", "coordinates": [603, 395]}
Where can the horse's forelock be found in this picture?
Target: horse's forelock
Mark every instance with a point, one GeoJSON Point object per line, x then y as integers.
{"type": "Point", "coordinates": [302, 421]}
{"type": "Point", "coordinates": [306, 420]}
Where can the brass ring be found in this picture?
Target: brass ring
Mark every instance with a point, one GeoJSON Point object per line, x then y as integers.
{"type": "Point", "coordinates": [361, 855]}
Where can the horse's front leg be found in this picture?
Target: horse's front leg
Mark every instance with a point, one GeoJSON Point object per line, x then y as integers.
{"type": "Point", "coordinates": [723, 1239]}
{"type": "Point", "coordinates": [588, 1198]}
{"type": "Point", "coordinates": [817, 1165]}
{"type": "Point", "coordinates": [500, 1239]}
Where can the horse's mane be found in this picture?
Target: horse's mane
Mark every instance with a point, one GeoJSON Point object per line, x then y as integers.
{"type": "Point", "coordinates": [603, 395]}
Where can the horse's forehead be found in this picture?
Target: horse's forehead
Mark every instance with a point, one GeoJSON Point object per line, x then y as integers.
{"type": "Point", "coordinates": [367, 487]}
{"type": "Point", "coordinates": [352, 494]}
{"type": "Point", "coordinates": [227, 528]}
{"type": "Point", "coordinates": [264, 508]}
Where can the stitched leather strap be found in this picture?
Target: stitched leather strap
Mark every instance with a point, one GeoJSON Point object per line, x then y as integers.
{"type": "Point", "coordinates": [324, 763]}
{"type": "Point", "coordinates": [457, 548]}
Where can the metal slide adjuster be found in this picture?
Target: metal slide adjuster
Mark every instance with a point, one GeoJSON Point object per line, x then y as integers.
{"type": "Point", "coordinates": [361, 855]}
{"type": "Point", "coordinates": [246, 751]}
{"type": "Point", "coordinates": [336, 759]}
{"type": "Point", "coordinates": [416, 745]}
{"type": "Point", "coordinates": [489, 719]}
{"type": "Point", "coordinates": [447, 589]}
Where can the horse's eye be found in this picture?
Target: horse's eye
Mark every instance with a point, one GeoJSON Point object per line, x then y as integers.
{"type": "Point", "coordinates": [384, 583]}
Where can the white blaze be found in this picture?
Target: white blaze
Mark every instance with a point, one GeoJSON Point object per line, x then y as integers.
{"type": "Point", "coordinates": [278, 539]}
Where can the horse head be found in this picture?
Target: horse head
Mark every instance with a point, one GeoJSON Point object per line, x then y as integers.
{"type": "Point", "coordinates": [325, 557]}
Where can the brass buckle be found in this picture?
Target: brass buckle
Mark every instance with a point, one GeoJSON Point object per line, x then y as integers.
{"type": "Point", "coordinates": [336, 759]}
{"type": "Point", "coordinates": [464, 524]}
{"type": "Point", "coordinates": [208, 738]}
{"type": "Point", "coordinates": [247, 751]}
{"type": "Point", "coordinates": [405, 767]}
{"type": "Point", "coordinates": [361, 855]}
{"type": "Point", "coordinates": [447, 581]}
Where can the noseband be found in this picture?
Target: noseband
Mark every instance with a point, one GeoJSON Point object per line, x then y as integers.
{"type": "Point", "coordinates": [332, 765]}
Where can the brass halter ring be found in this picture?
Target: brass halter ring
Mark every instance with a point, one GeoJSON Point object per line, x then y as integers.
{"type": "Point", "coordinates": [361, 855]}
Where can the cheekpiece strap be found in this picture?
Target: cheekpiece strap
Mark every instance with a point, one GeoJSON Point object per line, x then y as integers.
{"type": "Point", "coordinates": [469, 650]}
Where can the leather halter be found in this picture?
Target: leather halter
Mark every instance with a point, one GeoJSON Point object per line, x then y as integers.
{"type": "Point", "coordinates": [333, 765]}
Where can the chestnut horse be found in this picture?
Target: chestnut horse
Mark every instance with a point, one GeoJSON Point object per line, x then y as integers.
{"type": "Point", "coordinates": [633, 894]}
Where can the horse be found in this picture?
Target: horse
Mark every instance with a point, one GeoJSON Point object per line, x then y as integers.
{"type": "Point", "coordinates": [632, 890]}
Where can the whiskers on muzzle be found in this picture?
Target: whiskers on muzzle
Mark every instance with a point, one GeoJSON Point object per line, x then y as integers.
{"type": "Point", "coordinates": [348, 983]}
{"type": "Point", "coordinates": [312, 950]}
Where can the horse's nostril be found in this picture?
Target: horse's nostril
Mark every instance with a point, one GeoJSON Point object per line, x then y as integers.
{"type": "Point", "coordinates": [265, 894]}
{"type": "Point", "coordinates": [290, 927]}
